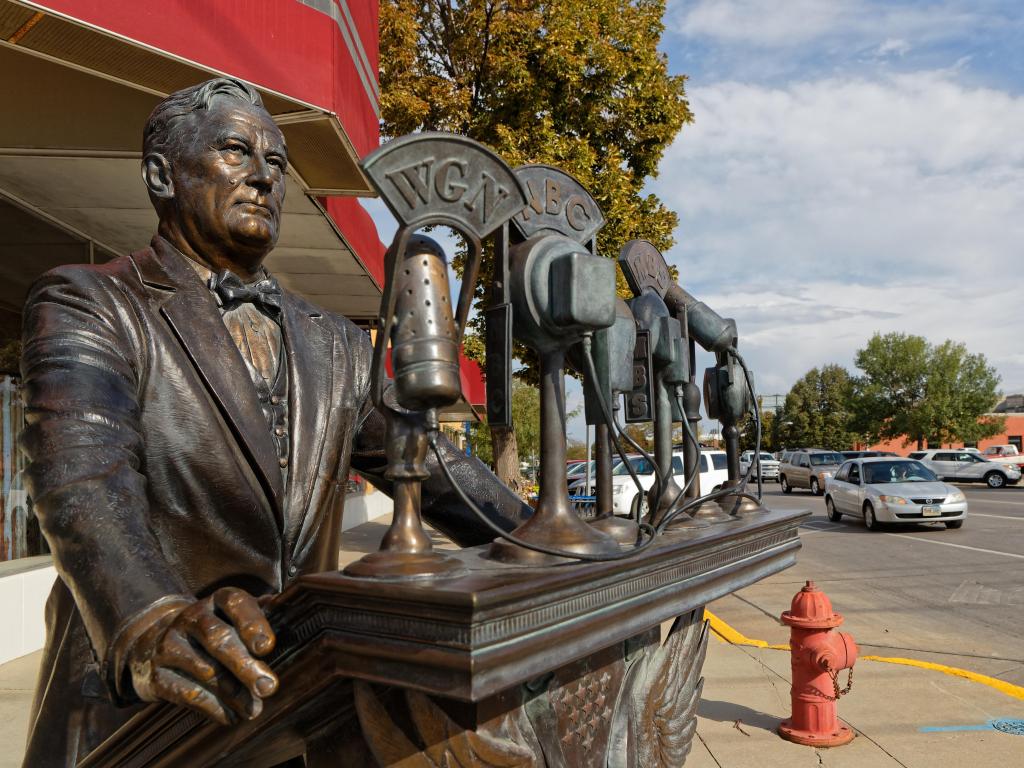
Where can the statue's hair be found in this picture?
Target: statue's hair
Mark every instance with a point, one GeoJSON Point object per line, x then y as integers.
{"type": "Point", "coordinates": [157, 136]}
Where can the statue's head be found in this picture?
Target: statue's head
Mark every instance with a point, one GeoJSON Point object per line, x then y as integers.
{"type": "Point", "coordinates": [214, 164]}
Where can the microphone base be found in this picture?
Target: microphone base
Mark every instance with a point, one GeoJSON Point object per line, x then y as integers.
{"type": "Point", "coordinates": [741, 505]}
{"type": "Point", "coordinates": [559, 529]}
{"type": "Point", "coordinates": [621, 529]}
{"type": "Point", "coordinates": [405, 566]}
{"type": "Point", "coordinates": [708, 513]}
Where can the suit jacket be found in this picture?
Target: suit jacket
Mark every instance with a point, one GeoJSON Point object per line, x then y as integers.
{"type": "Point", "coordinates": [153, 473]}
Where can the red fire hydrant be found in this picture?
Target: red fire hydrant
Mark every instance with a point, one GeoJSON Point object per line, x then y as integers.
{"type": "Point", "coordinates": [817, 656]}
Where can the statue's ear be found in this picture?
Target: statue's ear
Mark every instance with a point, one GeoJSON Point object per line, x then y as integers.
{"type": "Point", "coordinates": [156, 172]}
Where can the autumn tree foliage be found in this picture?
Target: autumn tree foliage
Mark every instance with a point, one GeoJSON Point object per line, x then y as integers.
{"type": "Point", "coordinates": [579, 84]}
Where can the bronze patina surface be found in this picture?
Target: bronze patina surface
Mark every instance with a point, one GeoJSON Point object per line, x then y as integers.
{"type": "Point", "coordinates": [173, 482]}
{"type": "Point", "coordinates": [547, 664]}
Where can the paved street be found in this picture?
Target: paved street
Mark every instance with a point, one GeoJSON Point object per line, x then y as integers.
{"type": "Point", "coordinates": [952, 597]}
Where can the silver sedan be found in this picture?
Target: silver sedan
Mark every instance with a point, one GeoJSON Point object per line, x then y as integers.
{"type": "Point", "coordinates": [893, 490]}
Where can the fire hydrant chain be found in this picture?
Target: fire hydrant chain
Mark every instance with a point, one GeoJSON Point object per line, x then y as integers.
{"type": "Point", "coordinates": [834, 674]}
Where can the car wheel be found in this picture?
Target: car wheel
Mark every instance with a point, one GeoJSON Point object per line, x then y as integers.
{"type": "Point", "coordinates": [785, 485]}
{"type": "Point", "coordinates": [634, 506]}
{"type": "Point", "coordinates": [833, 514]}
{"type": "Point", "coordinates": [815, 488]}
{"type": "Point", "coordinates": [954, 524]}
{"type": "Point", "coordinates": [870, 521]}
{"type": "Point", "coordinates": [995, 479]}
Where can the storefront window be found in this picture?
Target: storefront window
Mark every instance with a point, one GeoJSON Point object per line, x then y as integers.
{"type": "Point", "coordinates": [19, 529]}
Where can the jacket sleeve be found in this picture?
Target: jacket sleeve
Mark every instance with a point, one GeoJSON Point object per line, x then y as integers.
{"type": "Point", "coordinates": [442, 507]}
{"type": "Point", "coordinates": [83, 363]}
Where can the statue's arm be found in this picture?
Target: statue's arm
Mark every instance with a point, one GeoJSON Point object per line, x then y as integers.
{"type": "Point", "coordinates": [82, 365]}
{"type": "Point", "coordinates": [442, 507]}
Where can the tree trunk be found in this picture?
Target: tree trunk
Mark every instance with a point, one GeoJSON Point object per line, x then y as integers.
{"type": "Point", "coordinates": [506, 457]}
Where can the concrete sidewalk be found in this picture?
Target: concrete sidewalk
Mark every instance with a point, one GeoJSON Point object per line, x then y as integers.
{"type": "Point", "coordinates": [746, 695]}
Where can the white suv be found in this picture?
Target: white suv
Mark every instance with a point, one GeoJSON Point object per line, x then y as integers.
{"type": "Point", "coordinates": [625, 497]}
{"type": "Point", "coordinates": [769, 466]}
{"type": "Point", "coordinates": [960, 466]}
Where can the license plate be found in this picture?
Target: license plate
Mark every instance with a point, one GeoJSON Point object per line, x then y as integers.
{"type": "Point", "coordinates": [931, 511]}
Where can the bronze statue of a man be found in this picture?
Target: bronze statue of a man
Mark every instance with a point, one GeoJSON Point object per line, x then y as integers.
{"type": "Point", "coordinates": [190, 428]}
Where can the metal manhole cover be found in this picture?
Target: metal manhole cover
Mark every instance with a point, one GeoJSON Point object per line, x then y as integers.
{"type": "Point", "coordinates": [1009, 725]}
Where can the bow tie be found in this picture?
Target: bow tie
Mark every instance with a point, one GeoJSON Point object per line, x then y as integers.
{"type": "Point", "coordinates": [231, 291]}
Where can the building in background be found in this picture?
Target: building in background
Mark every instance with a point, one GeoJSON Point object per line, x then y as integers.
{"type": "Point", "coordinates": [1011, 409]}
{"type": "Point", "coordinates": [78, 78]}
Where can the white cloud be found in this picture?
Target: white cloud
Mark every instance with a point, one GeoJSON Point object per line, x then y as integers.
{"type": "Point", "coordinates": [758, 22]}
{"type": "Point", "coordinates": [774, 24]}
{"type": "Point", "coordinates": [893, 45]}
{"type": "Point", "coordinates": [823, 211]}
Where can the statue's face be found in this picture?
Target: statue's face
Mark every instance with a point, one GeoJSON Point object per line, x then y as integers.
{"type": "Point", "coordinates": [229, 180]}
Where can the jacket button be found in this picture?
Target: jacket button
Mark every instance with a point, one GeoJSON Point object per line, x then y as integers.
{"type": "Point", "coordinates": [279, 431]}
{"type": "Point", "coordinates": [283, 462]}
{"type": "Point", "coordinates": [292, 570]}
{"type": "Point", "coordinates": [275, 399]}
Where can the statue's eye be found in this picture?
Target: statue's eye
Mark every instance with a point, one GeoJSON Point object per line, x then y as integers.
{"type": "Point", "coordinates": [236, 148]}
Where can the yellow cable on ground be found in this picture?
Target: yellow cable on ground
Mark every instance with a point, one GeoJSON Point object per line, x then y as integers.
{"type": "Point", "coordinates": [726, 633]}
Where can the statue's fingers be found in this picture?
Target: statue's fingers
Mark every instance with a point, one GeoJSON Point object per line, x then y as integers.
{"type": "Point", "coordinates": [244, 612]}
{"type": "Point", "coordinates": [237, 696]}
{"type": "Point", "coordinates": [176, 652]}
{"type": "Point", "coordinates": [170, 686]}
{"type": "Point", "coordinates": [222, 643]}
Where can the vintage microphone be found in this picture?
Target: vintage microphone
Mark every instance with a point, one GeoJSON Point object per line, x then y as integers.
{"type": "Point", "coordinates": [726, 393]}
{"type": "Point", "coordinates": [426, 179]}
{"type": "Point", "coordinates": [648, 277]}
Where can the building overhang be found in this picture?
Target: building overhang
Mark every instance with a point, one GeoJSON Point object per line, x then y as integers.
{"type": "Point", "coordinates": [76, 86]}
{"type": "Point", "coordinates": [80, 77]}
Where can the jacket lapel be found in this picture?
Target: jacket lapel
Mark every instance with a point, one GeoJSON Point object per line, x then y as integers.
{"type": "Point", "coordinates": [195, 321]}
{"type": "Point", "coordinates": [310, 347]}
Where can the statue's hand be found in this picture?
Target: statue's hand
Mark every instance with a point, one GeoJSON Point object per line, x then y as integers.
{"type": "Point", "coordinates": [202, 657]}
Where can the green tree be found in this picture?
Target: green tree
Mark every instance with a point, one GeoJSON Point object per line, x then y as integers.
{"type": "Point", "coordinates": [817, 411]}
{"type": "Point", "coordinates": [576, 449]}
{"type": "Point", "coordinates": [924, 393]}
{"type": "Point", "coordinates": [525, 417]}
{"type": "Point", "coordinates": [642, 435]}
{"type": "Point", "coordinates": [769, 432]}
{"type": "Point", "coordinates": [579, 84]}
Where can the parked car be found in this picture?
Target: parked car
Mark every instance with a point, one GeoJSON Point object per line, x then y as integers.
{"type": "Point", "coordinates": [866, 454]}
{"type": "Point", "coordinates": [1004, 454]}
{"type": "Point", "coordinates": [625, 497]}
{"type": "Point", "coordinates": [769, 465]}
{"type": "Point", "coordinates": [809, 469]}
{"type": "Point", "coordinates": [893, 490]}
{"type": "Point", "coordinates": [966, 467]}
{"type": "Point", "coordinates": [578, 473]}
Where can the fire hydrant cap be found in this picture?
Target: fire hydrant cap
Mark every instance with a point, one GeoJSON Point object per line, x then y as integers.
{"type": "Point", "coordinates": [811, 609]}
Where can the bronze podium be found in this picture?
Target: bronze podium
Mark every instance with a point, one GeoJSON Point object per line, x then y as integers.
{"type": "Point", "coordinates": [563, 666]}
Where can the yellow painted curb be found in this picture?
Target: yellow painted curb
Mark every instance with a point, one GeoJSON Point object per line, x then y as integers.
{"type": "Point", "coordinates": [727, 634]}
{"type": "Point", "coordinates": [1002, 686]}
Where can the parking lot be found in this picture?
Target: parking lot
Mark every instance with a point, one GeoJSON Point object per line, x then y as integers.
{"type": "Point", "coordinates": [950, 597]}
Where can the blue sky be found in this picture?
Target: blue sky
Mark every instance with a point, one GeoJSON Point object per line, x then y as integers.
{"type": "Point", "coordinates": [853, 167]}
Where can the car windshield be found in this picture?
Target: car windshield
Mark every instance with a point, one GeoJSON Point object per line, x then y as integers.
{"type": "Point", "coordinates": [898, 472]}
{"type": "Point", "coordinates": [579, 470]}
{"type": "Point", "coordinates": [767, 457]}
{"type": "Point", "coordinates": [821, 459]}
{"type": "Point", "coordinates": [640, 465]}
